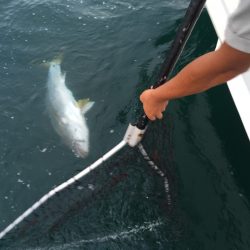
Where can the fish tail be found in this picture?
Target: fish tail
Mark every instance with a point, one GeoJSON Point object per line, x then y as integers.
{"type": "Point", "coordinates": [58, 59]}
{"type": "Point", "coordinates": [47, 63]}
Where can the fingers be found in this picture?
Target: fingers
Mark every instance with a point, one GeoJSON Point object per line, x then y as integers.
{"type": "Point", "coordinates": [154, 113]}
{"type": "Point", "coordinates": [154, 117]}
{"type": "Point", "coordinates": [150, 117]}
{"type": "Point", "coordinates": [153, 108]}
{"type": "Point", "coordinates": [159, 116]}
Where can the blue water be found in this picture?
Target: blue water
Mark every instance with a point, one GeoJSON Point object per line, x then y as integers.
{"type": "Point", "coordinates": [111, 51]}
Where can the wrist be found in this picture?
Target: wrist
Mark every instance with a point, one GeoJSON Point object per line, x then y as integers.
{"type": "Point", "coordinates": [159, 95]}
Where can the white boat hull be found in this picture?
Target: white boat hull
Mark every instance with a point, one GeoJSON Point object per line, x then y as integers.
{"type": "Point", "coordinates": [219, 12]}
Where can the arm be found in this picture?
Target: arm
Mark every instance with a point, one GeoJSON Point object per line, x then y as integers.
{"type": "Point", "coordinates": [201, 74]}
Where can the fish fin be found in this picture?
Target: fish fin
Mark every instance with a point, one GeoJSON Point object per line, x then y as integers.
{"type": "Point", "coordinates": [58, 59]}
{"type": "Point", "coordinates": [85, 105]}
{"type": "Point", "coordinates": [47, 63]}
{"type": "Point", "coordinates": [82, 102]}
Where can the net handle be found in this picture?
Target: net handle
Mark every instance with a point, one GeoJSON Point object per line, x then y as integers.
{"type": "Point", "coordinates": [192, 14]}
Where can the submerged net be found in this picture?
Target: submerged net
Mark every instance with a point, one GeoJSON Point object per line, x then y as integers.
{"type": "Point", "coordinates": [130, 196]}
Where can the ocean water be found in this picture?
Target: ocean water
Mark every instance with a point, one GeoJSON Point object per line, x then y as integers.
{"type": "Point", "coordinates": [112, 50]}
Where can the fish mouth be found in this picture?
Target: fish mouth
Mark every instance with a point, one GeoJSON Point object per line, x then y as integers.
{"type": "Point", "coordinates": [79, 148]}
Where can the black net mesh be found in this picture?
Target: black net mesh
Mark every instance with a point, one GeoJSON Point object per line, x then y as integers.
{"type": "Point", "coordinates": [129, 198]}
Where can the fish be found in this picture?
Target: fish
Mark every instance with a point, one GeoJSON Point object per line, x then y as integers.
{"type": "Point", "coordinates": [66, 114]}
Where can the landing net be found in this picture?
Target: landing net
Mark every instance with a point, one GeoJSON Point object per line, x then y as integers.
{"type": "Point", "coordinates": [127, 190]}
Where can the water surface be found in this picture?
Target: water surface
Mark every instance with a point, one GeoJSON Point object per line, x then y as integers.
{"type": "Point", "coordinates": [112, 50]}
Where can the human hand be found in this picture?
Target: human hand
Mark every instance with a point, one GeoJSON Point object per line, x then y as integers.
{"type": "Point", "coordinates": [153, 107]}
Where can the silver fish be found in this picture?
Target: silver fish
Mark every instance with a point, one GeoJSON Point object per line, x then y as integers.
{"type": "Point", "coordinates": [66, 114]}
